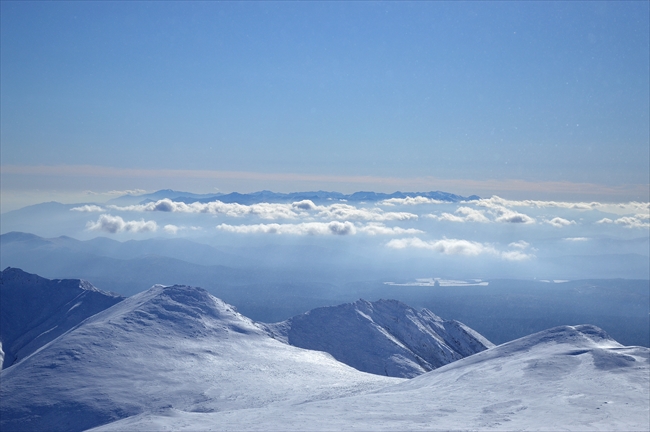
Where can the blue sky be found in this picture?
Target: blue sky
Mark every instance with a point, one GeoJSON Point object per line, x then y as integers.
{"type": "Point", "coordinates": [534, 98]}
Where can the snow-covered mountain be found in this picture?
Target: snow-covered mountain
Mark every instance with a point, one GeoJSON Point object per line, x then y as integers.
{"type": "Point", "coordinates": [385, 337]}
{"type": "Point", "coordinates": [177, 358]}
{"type": "Point", "coordinates": [168, 347]}
{"type": "Point", "coordinates": [565, 378]}
{"type": "Point", "coordinates": [35, 310]}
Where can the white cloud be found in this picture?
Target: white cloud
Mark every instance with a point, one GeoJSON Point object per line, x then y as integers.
{"type": "Point", "coordinates": [115, 224]}
{"type": "Point", "coordinates": [559, 222]}
{"type": "Point", "coordinates": [127, 192]}
{"type": "Point", "coordinates": [348, 212]}
{"type": "Point", "coordinates": [515, 255]}
{"type": "Point", "coordinates": [262, 210]}
{"type": "Point", "coordinates": [444, 246]}
{"type": "Point", "coordinates": [576, 239]}
{"type": "Point", "coordinates": [521, 244]}
{"type": "Point", "coordinates": [304, 205]}
{"type": "Point", "coordinates": [467, 214]}
{"type": "Point", "coordinates": [410, 201]}
{"type": "Point", "coordinates": [506, 215]}
{"type": "Point", "coordinates": [171, 229]}
{"type": "Point", "coordinates": [307, 228]}
{"type": "Point", "coordinates": [300, 209]}
{"type": "Point", "coordinates": [618, 208]}
{"type": "Point", "coordinates": [381, 229]}
{"type": "Point", "coordinates": [88, 208]}
{"type": "Point", "coordinates": [457, 247]}
{"type": "Point", "coordinates": [637, 221]}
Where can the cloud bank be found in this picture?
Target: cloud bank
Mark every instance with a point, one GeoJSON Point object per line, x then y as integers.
{"type": "Point", "coordinates": [115, 224]}
{"type": "Point", "coordinates": [457, 247]}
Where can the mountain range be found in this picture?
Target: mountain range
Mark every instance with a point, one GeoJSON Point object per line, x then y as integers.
{"type": "Point", "coordinates": [276, 197]}
{"type": "Point", "coordinates": [176, 357]}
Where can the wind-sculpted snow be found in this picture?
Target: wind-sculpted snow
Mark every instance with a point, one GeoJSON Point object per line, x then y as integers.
{"type": "Point", "coordinates": [168, 347]}
{"type": "Point", "coordinates": [385, 337]}
{"type": "Point", "coordinates": [35, 310]}
{"type": "Point", "coordinates": [566, 378]}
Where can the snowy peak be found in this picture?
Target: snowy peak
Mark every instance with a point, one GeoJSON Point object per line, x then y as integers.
{"type": "Point", "coordinates": [385, 337]}
{"type": "Point", "coordinates": [186, 310]}
{"type": "Point", "coordinates": [35, 310]}
{"type": "Point", "coordinates": [168, 347]}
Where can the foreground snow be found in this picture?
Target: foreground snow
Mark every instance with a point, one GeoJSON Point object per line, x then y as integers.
{"type": "Point", "coordinates": [566, 378]}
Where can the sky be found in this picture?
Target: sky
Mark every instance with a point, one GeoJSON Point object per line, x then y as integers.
{"type": "Point", "coordinates": [526, 100]}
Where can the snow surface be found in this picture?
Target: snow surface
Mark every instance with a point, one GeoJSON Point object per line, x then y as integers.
{"type": "Point", "coordinates": [565, 378]}
{"type": "Point", "coordinates": [177, 358]}
{"type": "Point", "coordinates": [385, 337]}
{"type": "Point", "coordinates": [167, 348]}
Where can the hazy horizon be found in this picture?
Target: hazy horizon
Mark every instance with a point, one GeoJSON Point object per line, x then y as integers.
{"type": "Point", "coordinates": [533, 100]}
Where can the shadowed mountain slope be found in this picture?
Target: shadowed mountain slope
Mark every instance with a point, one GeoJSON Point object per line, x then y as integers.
{"type": "Point", "coordinates": [385, 337]}
{"type": "Point", "coordinates": [35, 310]}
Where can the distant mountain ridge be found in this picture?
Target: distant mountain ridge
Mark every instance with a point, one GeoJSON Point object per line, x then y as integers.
{"type": "Point", "coordinates": [385, 337]}
{"type": "Point", "coordinates": [276, 197]}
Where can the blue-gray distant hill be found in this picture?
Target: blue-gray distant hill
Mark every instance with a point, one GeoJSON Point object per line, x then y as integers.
{"type": "Point", "coordinates": [275, 197]}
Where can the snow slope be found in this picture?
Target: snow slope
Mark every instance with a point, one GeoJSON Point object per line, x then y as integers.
{"type": "Point", "coordinates": [35, 310]}
{"type": "Point", "coordinates": [385, 337]}
{"type": "Point", "coordinates": [166, 348]}
{"type": "Point", "coordinates": [565, 378]}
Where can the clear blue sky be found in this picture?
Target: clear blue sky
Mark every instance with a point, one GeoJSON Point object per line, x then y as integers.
{"type": "Point", "coordinates": [531, 91]}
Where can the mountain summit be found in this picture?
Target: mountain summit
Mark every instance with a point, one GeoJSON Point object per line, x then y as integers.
{"type": "Point", "coordinates": [385, 337]}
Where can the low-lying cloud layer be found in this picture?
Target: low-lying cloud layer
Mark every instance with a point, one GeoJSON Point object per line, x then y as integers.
{"type": "Point", "coordinates": [459, 247]}
{"type": "Point", "coordinates": [636, 221]}
{"type": "Point", "coordinates": [115, 224]}
{"type": "Point", "coordinates": [522, 235]}
{"type": "Point", "coordinates": [318, 228]}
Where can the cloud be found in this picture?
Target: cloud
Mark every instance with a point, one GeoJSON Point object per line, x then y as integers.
{"type": "Point", "coordinates": [467, 214]}
{"type": "Point", "coordinates": [457, 247]}
{"type": "Point", "coordinates": [444, 246]}
{"type": "Point", "coordinates": [521, 244]}
{"type": "Point", "coordinates": [381, 229]}
{"type": "Point", "coordinates": [505, 215]}
{"type": "Point", "coordinates": [88, 208]}
{"type": "Point", "coordinates": [171, 229]}
{"type": "Point", "coordinates": [559, 222]}
{"type": "Point", "coordinates": [410, 201]}
{"type": "Point", "coordinates": [307, 228]}
{"type": "Point", "coordinates": [127, 192]}
{"type": "Point", "coordinates": [262, 210]}
{"type": "Point", "coordinates": [576, 239]}
{"type": "Point", "coordinates": [617, 208]}
{"type": "Point", "coordinates": [304, 205]}
{"type": "Point", "coordinates": [348, 212]}
{"type": "Point", "coordinates": [299, 209]}
{"type": "Point", "coordinates": [115, 224]}
{"type": "Point", "coordinates": [515, 256]}
{"type": "Point", "coordinates": [637, 221]}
